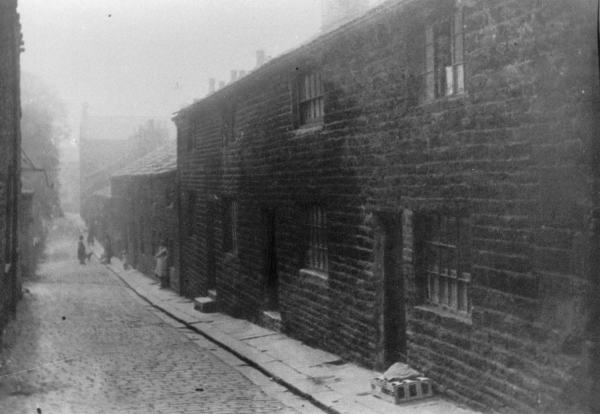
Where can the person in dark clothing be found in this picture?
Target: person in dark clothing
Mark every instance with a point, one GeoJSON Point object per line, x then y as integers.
{"type": "Point", "coordinates": [108, 252]}
{"type": "Point", "coordinates": [81, 250]}
{"type": "Point", "coordinates": [161, 265]}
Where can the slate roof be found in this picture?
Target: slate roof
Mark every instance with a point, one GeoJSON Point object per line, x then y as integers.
{"type": "Point", "coordinates": [160, 161]}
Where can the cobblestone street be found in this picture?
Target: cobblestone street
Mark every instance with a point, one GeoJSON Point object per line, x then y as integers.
{"type": "Point", "coordinates": [84, 343]}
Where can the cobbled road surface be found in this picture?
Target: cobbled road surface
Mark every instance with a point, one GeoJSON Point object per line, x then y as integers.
{"type": "Point", "coordinates": [84, 343]}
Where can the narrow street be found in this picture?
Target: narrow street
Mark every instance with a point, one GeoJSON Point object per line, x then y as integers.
{"type": "Point", "coordinates": [83, 342]}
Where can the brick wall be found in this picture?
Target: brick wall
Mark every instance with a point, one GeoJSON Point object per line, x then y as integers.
{"type": "Point", "coordinates": [514, 155]}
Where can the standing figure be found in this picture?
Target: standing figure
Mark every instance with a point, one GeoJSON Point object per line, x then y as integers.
{"type": "Point", "coordinates": [81, 250]}
{"type": "Point", "coordinates": [125, 259]}
{"type": "Point", "coordinates": [161, 265]}
{"type": "Point", "coordinates": [108, 252]}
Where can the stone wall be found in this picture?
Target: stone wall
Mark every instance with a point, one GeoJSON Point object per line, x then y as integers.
{"type": "Point", "coordinates": [10, 156]}
{"type": "Point", "coordinates": [514, 156]}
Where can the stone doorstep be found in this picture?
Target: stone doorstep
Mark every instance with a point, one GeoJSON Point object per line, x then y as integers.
{"type": "Point", "coordinates": [272, 320]}
{"type": "Point", "coordinates": [205, 304]}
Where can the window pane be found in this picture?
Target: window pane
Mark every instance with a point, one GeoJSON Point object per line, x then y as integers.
{"type": "Point", "coordinates": [319, 85]}
{"type": "Point", "coordinates": [449, 80]}
{"type": "Point", "coordinates": [453, 294]}
{"type": "Point", "coordinates": [462, 296]}
{"type": "Point", "coordinates": [317, 248]}
{"type": "Point", "coordinates": [429, 35]}
{"type": "Point", "coordinates": [446, 283]}
{"type": "Point", "coordinates": [458, 49]}
{"type": "Point", "coordinates": [306, 88]}
{"type": "Point", "coordinates": [302, 90]}
{"type": "Point", "coordinates": [458, 22]}
{"type": "Point", "coordinates": [429, 58]}
{"type": "Point", "coordinates": [460, 78]}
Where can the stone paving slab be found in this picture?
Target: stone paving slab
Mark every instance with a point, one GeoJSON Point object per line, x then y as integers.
{"type": "Point", "coordinates": [263, 343]}
{"type": "Point", "coordinates": [250, 331]}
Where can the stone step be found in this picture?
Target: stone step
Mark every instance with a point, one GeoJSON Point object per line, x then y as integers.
{"type": "Point", "coordinates": [205, 304]}
{"type": "Point", "coordinates": [272, 320]}
{"type": "Point", "coordinates": [212, 293]}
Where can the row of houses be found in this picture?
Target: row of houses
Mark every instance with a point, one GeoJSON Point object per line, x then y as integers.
{"type": "Point", "coordinates": [420, 184]}
{"type": "Point", "coordinates": [107, 144]}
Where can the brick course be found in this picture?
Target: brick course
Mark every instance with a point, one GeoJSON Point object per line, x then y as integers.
{"type": "Point", "coordinates": [515, 154]}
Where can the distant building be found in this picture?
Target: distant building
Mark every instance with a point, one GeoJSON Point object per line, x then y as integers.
{"type": "Point", "coordinates": [108, 143]}
{"type": "Point", "coordinates": [419, 185]}
{"type": "Point", "coordinates": [69, 176]}
{"type": "Point", "coordinates": [10, 158]}
{"type": "Point", "coordinates": [144, 210]}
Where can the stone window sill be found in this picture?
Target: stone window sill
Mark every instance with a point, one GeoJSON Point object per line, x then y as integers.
{"type": "Point", "coordinates": [445, 313]}
{"type": "Point", "coordinates": [315, 274]}
{"type": "Point", "coordinates": [308, 129]}
{"type": "Point", "coordinates": [231, 255]}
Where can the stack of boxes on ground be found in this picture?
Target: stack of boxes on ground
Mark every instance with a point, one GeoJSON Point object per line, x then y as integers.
{"type": "Point", "coordinates": [401, 383]}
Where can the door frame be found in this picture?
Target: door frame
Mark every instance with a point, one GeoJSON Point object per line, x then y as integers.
{"type": "Point", "coordinates": [270, 271]}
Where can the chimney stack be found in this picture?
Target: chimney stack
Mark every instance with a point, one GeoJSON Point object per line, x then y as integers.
{"type": "Point", "coordinates": [211, 85]}
{"type": "Point", "coordinates": [221, 84]}
{"type": "Point", "coordinates": [260, 58]}
{"type": "Point", "coordinates": [241, 74]}
{"type": "Point", "coordinates": [234, 75]}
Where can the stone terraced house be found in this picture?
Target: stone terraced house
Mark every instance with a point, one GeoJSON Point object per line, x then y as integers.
{"type": "Point", "coordinates": [10, 158]}
{"type": "Point", "coordinates": [143, 210]}
{"type": "Point", "coordinates": [419, 185]}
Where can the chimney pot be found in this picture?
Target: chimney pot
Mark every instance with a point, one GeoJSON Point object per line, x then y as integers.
{"type": "Point", "coordinates": [211, 85]}
{"type": "Point", "coordinates": [234, 75]}
{"type": "Point", "coordinates": [221, 84]}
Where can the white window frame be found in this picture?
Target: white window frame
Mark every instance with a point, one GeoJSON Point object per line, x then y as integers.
{"type": "Point", "coordinates": [317, 257]}
{"type": "Point", "coordinates": [448, 78]}
{"type": "Point", "coordinates": [447, 263]}
{"type": "Point", "coordinates": [311, 104]}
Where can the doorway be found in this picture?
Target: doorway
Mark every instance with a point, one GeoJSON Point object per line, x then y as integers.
{"type": "Point", "coordinates": [271, 278]}
{"type": "Point", "coordinates": [388, 254]}
{"type": "Point", "coordinates": [211, 271]}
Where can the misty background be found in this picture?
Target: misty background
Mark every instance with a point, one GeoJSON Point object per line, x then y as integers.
{"type": "Point", "coordinates": [152, 57]}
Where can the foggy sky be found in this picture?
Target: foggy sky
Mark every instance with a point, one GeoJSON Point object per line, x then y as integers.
{"type": "Point", "coordinates": [150, 57]}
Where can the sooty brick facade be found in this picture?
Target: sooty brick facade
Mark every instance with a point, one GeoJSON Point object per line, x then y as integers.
{"type": "Point", "coordinates": [420, 184]}
{"type": "Point", "coordinates": [10, 158]}
{"type": "Point", "coordinates": [144, 211]}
